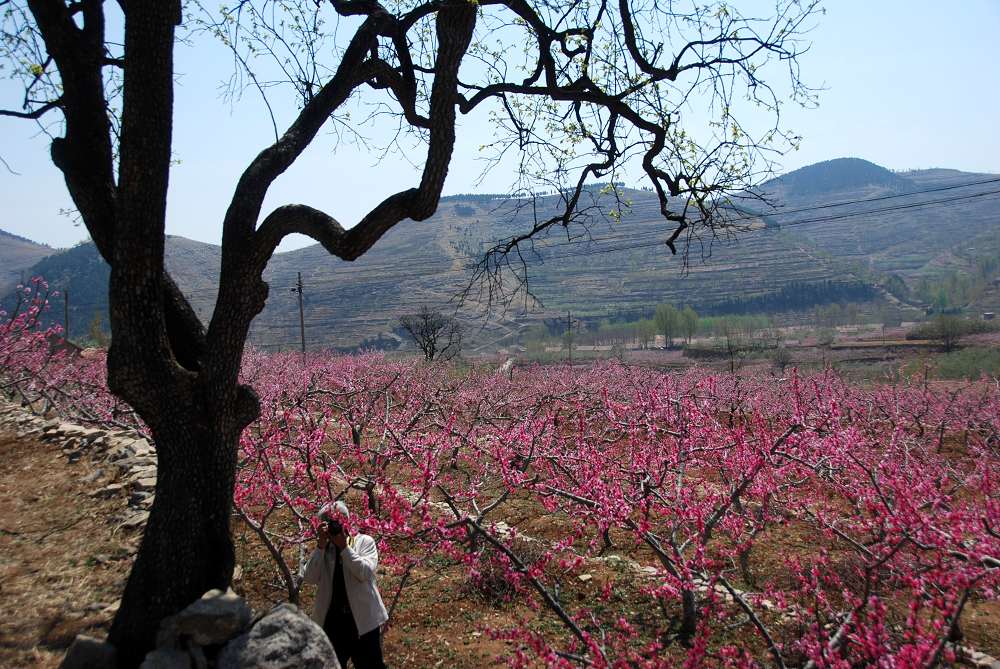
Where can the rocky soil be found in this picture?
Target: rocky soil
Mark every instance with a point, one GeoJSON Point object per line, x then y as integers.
{"type": "Point", "coordinates": [72, 504]}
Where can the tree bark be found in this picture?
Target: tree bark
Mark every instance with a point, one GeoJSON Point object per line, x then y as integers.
{"type": "Point", "coordinates": [158, 362]}
{"type": "Point", "coordinates": [186, 549]}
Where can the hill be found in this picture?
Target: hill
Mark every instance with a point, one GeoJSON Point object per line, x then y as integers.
{"type": "Point", "coordinates": [835, 176]}
{"type": "Point", "coordinates": [898, 229]}
{"type": "Point", "coordinates": [17, 255]}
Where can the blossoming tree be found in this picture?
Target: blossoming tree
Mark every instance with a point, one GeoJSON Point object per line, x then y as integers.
{"type": "Point", "coordinates": [601, 85]}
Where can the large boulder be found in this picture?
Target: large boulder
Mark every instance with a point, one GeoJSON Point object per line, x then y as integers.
{"type": "Point", "coordinates": [89, 653]}
{"type": "Point", "coordinates": [167, 658]}
{"type": "Point", "coordinates": [214, 619]}
{"type": "Point", "coordinates": [283, 639]}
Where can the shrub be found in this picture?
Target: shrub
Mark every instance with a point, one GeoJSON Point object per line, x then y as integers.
{"type": "Point", "coordinates": [490, 581]}
{"type": "Point", "coordinates": [948, 330]}
{"type": "Point", "coordinates": [970, 363]}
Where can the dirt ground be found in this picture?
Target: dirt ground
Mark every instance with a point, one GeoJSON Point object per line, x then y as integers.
{"type": "Point", "coordinates": [62, 563]}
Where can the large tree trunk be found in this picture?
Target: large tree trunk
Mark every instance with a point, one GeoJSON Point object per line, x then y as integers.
{"type": "Point", "coordinates": [186, 548]}
{"type": "Point", "coordinates": [186, 392]}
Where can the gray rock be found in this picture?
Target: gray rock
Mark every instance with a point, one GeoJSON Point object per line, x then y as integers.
{"type": "Point", "coordinates": [118, 451]}
{"type": "Point", "coordinates": [215, 618]}
{"type": "Point", "coordinates": [166, 658]}
{"type": "Point", "coordinates": [86, 434]}
{"type": "Point", "coordinates": [141, 446]}
{"type": "Point", "coordinates": [109, 490]}
{"type": "Point", "coordinates": [134, 520]}
{"type": "Point", "coordinates": [142, 472]}
{"type": "Point", "coordinates": [198, 659]}
{"type": "Point", "coordinates": [92, 476]}
{"type": "Point", "coordinates": [89, 653]}
{"type": "Point", "coordinates": [131, 461]}
{"type": "Point", "coordinates": [283, 639]}
{"type": "Point", "coordinates": [976, 659]}
{"type": "Point", "coordinates": [144, 485]}
{"type": "Point", "coordinates": [93, 434]}
{"type": "Point", "coordinates": [140, 499]}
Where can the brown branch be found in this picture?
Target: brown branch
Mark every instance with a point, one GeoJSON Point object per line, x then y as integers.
{"type": "Point", "coordinates": [84, 153]}
{"type": "Point", "coordinates": [455, 26]}
{"type": "Point", "coordinates": [34, 113]}
{"type": "Point", "coordinates": [550, 601]}
{"type": "Point", "coordinates": [244, 208]}
{"type": "Point", "coordinates": [779, 660]}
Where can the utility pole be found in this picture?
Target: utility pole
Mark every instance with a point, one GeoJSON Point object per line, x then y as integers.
{"type": "Point", "coordinates": [66, 314]}
{"type": "Point", "coordinates": [302, 318]}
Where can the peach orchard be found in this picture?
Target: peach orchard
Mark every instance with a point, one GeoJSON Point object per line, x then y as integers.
{"type": "Point", "coordinates": [737, 521]}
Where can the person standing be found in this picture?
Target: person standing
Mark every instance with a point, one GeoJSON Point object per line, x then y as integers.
{"type": "Point", "coordinates": [348, 605]}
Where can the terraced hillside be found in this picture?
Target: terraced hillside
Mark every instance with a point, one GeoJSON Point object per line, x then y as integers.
{"type": "Point", "coordinates": [919, 224]}
{"type": "Point", "coordinates": [904, 240]}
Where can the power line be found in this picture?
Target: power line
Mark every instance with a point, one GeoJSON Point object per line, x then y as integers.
{"type": "Point", "coordinates": [749, 217]}
{"type": "Point", "coordinates": [432, 265]}
{"type": "Point", "coordinates": [659, 243]}
{"type": "Point", "coordinates": [913, 205]}
{"type": "Point", "coordinates": [879, 198]}
{"type": "Point", "coordinates": [822, 219]}
{"type": "Point", "coordinates": [380, 276]}
{"type": "Point", "coordinates": [541, 246]}
{"type": "Point", "coordinates": [390, 277]}
{"type": "Point", "coordinates": [755, 215]}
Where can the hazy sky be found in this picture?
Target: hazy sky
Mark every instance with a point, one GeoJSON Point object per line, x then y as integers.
{"type": "Point", "coordinates": [908, 84]}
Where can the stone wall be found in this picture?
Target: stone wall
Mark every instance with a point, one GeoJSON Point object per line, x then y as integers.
{"type": "Point", "coordinates": [219, 630]}
{"type": "Point", "coordinates": [125, 455]}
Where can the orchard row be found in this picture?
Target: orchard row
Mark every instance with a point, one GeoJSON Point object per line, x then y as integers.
{"type": "Point", "coordinates": [708, 520]}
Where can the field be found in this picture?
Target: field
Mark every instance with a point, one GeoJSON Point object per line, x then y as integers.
{"type": "Point", "coordinates": [609, 515]}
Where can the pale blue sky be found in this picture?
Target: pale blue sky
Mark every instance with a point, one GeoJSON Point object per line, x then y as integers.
{"type": "Point", "coordinates": [908, 85]}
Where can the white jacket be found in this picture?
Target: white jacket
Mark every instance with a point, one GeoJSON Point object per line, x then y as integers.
{"type": "Point", "coordinates": [360, 561]}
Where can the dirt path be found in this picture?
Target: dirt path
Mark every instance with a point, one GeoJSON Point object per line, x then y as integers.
{"type": "Point", "coordinates": [62, 563]}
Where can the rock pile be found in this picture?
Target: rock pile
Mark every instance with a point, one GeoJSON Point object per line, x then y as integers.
{"type": "Point", "coordinates": [123, 459]}
{"type": "Point", "coordinates": [216, 632]}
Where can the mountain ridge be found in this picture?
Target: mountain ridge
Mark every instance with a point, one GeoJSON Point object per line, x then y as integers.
{"type": "Point", "coordinates": [627, 273]}
{"type": "Point", "coordinates": [837, 175]}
